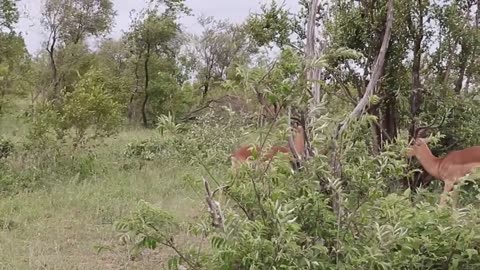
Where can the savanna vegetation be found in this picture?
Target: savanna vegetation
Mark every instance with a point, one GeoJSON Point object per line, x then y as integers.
{"type": "Point", "coordinates": [117, 156]}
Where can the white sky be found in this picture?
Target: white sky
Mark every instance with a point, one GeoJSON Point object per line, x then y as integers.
{"type": "Point", "coordinates": [233, 10]}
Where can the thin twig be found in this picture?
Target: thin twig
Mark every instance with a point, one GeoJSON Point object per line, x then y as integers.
{"type": "Point", "coordinates": [257, 194]}
{"type": "Point", "coordinates": [218, 220]}
{"type": "Point", "coordinates": [446, 266]}
{"type": "Point", "coordinates": [218, 184]}
{"type": "Point", "coordinates": [205, 106]}
{"type": "Point", "coordinates": [171, 245]}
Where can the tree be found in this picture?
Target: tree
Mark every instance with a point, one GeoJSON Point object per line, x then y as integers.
{"type": "Point", "coordinates": [8, 14]}
{"type": "Point", "coordinates": [154, 35]}
{"type": "Point", "coordinates": [70, 22]}
{"type": "Point", "coordinates": [90, 112]}
{"type": "Point", "coordinates": [218, 50]}
{"type": "Point", "coordinates": [275, 26]}
{"type": "Point", "coordinates": [90, 106]}
{"type": "Point", "coordinates": [114, 62]}
{"type": "Point", "coordinates": [13, 53]}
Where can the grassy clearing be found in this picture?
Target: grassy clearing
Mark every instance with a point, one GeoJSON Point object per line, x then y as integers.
{"type": "Point", "coordinates": [63, 226]}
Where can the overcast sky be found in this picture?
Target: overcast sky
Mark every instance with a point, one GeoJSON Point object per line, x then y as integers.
{"type": "Point", "coordinates": [234, 10]}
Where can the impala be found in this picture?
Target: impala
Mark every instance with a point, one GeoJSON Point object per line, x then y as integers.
{"type": "Point", "coordinates": [244, 153]}
{"type": "Point", "coordinates": [450, 168]}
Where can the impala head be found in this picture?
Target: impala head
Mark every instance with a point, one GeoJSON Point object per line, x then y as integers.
{"type": "Point", "coordinates": [419, 141]}
{"type": "Point", "coordinates": [420, 137]}
{"type": "Point", "coordinates": [417, 145]}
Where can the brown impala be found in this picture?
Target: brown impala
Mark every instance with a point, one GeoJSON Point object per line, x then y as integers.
{"type": "Point", "coordinates": [449, 168]}
{"type": "Point", "coordinates": [243, 154]}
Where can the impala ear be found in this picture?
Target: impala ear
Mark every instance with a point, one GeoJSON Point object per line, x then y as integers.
{"type": "Point", "coordinates": [427, 139]}
{"type": "Point", "coordinates": [412, 141]}
{"type": "Point", "coordinates": [421, 132]}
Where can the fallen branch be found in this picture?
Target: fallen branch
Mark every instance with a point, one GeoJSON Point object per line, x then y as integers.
{"type": "Point", "coordinates": [218, 220]}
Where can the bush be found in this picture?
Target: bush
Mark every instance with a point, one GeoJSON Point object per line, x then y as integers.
{"type": "Point", "coordinates": [147, 227]}
{"type": "Point", "coordinates": [90, 106]}
{"type": "Point", "coordinates": [6, 148]}
{"type": "Point", "coordinates": [148, 150]}
{"type": "Point", "coordinates": [357, 217]}
{"type": "Point", "coordinates": [314, 220]}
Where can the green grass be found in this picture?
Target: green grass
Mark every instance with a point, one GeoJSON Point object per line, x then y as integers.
{"type": "Point", "coordinates": [63, 226]}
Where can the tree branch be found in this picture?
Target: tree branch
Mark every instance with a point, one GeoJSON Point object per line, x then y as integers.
{"type": "Point", "coordinates": [376, 73]}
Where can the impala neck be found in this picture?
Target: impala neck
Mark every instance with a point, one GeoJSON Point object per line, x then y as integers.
{"type": "Point", "coordinates": [428, 160]}
{"type": "Point", "coordinates": [299, 142]}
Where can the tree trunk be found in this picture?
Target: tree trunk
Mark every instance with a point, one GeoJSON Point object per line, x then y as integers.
{"type": "Point", "coordinates": [376, 73]}
{"type": "Point", "coordinates": [390, 118]}
{"type": "Point", "coordinates": [376, 132]}
{"type": "Point", "coordinates": [206, 87]}
{"type": "Point", "coordinates": [416, 96]}
{"type": "Point", "coordinates": [145, 100]}
{"type": "Point", "coordinates": [473, 59]}
{"type": "Point", "coordinates": [2, 97]}
{"type": "Point", "coordinates": [362, 104]}
{"type": "Point", "coordinates": [448, 68]}
{"type": "Point", "coordinates": [208, 78]}
{"type": "Point", "coordinates": [53, 66]}
{"type": "Point", "coordinates": [135, 91]}
{"type": "Point", "coordinates": [314, 73]}
{"type": "Point", "coordinates": [464, 54]}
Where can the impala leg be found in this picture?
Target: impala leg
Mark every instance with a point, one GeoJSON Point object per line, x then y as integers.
{"type": "Point", "coordinates": [455, 196]}
{"type": "Point", "coordinates": [448, 186]}
{"type": "Point", "coordinates": [235, 165]}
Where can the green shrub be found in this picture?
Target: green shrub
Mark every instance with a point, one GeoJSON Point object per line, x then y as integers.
{"type": "Point", "coordinates": [90, 106]}
{"type": "Point", "coordinates": [314, 220]}
{"type": "Point", "coordinates": [147, 227]}
{"type": "Point", "coordinates": [149, 150]}
{"type": "Point", "coordinates": [6, 148]}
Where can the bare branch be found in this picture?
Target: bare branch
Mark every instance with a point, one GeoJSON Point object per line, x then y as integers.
{"type": "Point", "coordinates": [376, 73]}
{"type": "Point", "coordinates": [218, 220]}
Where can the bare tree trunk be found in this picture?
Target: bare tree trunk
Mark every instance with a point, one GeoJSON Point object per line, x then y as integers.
{"type": "Point", "coordinates": [145, 100]}
{"type": "Point", "coordinates": [416, 96]}
{"type": "Point", "coordinates": [313, 74]}
{"type": "Point", "coordinates": [135, 91]}
{"type": "Point", "coordinates": [208, 79]}
{"type": "Point", "coordinates": [448, 68]}
{"type": "Point", "coordinates": [376, 73]}
{"type": "Point", "coordinates": [464, 55]}
{"type": "Point", "coordinates": [376, 132]}
{"type": "Point", "coordinates": [53, 65]}
{"type": "Point", "coordinates": [466, 48]}
{"type": "Point", "coordinates": [390, 118]}
{"type": "Point", "coordinates": [2, 97]}
{"type": "Point", "coordinates": [206, 87]}
{"type": "Point", "coordinates": [473, 59]}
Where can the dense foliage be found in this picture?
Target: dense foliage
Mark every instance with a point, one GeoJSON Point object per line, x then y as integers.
{"type": "Point", "coordinates": [358, 203]}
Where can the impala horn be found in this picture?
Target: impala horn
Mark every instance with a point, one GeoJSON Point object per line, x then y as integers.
{"type": "Point", "coordinates": [422, 129]}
